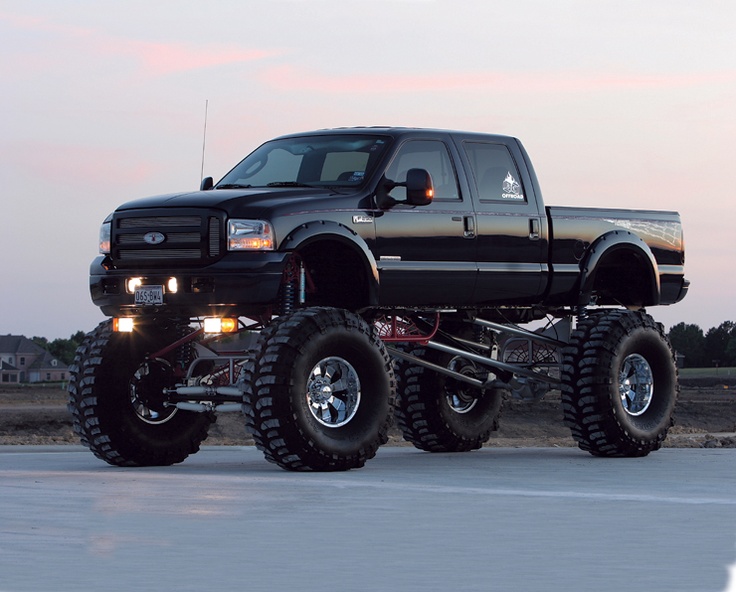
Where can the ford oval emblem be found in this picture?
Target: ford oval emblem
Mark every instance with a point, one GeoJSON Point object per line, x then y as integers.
{"type": "Point", "coordinates": [154, 238]}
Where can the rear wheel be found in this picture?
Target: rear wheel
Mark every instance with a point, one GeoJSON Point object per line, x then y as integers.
{"type": "Point", "coordinates": [321, 391]}
{"type": "Point", "coordinates": [437, 413]}
{"type": "Point", "coordinates": [116, 398]}
{"type": "Point", "coordinates": [619, 384]}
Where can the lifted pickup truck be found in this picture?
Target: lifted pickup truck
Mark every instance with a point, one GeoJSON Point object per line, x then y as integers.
{"type": "Point", "coordinates": [338, 279]}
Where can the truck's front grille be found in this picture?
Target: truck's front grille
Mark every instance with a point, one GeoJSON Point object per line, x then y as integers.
{"type": "Point", "coordinates": [153, 240]}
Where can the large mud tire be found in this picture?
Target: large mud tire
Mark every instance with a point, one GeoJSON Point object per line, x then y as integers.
{"type": "Point", "coordinates": [321, 391]}
{"type": "Point", "coordinates": [439, 414]}
{"type": "Point", "coordinates": [107, 380]}
{"type": "Point", "coordinates": [619, 384]}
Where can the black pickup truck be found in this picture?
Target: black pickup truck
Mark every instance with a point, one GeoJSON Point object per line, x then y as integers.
{"type": "Point", "coordinates": [336, 280]}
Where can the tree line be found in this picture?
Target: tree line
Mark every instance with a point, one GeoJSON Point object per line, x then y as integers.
{"type": "Point", "coordinates": [62, 349]}
{"type": "Point", "coordinates": [716, 347]}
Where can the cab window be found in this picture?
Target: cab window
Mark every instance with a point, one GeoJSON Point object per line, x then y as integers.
{"type": "Point", "coordinates": [431, 155]}
{"type": "Point", "coordinates": [495, 173]}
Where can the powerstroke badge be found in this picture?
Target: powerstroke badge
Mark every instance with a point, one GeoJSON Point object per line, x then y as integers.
{"type": "Point", "coordinates": [358, 219]}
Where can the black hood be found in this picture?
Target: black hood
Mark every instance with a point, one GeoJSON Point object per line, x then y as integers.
{"type": "Point", "coordinates": [236, 202]}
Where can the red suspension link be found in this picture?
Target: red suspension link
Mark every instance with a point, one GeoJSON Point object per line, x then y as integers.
{"type": "Point", "coordinates": [392, 328]}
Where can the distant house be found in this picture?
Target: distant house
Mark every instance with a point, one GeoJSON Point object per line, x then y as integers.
{"type": "Point", "coordinates": [21, 360]}
{"type": "Point", "coordinates": [9, 372]}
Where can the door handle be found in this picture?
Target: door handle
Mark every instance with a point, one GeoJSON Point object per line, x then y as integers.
{"type": "Point", "coordinates": [469, 227]}
{"type": "Point", "coordinates": [534, 229]}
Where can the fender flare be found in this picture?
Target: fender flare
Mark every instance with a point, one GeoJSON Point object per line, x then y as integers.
{"type": "Point", "coordinates": [604, 245]}
{"type": "Point", "coordinates": [317, 230]}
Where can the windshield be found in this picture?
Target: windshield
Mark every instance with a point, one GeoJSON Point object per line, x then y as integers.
{"type": "Point", "coordinates": [309, 161]}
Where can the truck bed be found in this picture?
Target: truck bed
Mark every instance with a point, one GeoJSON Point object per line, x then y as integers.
{"type": "Point", "coordinates": [578, 233]}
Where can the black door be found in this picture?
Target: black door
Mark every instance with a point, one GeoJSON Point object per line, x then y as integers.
{"type": "Point", "coordinates": [511, 230]}
{"type": "Point", "coordinates": [426, 254]}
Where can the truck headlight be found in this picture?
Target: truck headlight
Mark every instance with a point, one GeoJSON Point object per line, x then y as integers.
{"type": "Point", "coordinates": [249, 235]}
{"type": "Point", "coordinates": [105, 236]}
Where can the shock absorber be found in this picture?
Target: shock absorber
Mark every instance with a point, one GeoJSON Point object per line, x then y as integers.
{"type": "Point", "coordinates": [478, 334]}
{"type": "Point", "coordinates": [302, 283]}
{"type": "Point", "coordinates": [288, 297]}
{"type": "Point", "coordinates": [289, 283]}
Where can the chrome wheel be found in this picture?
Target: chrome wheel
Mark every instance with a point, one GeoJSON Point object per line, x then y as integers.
{"type": "Point", "coordinates": [460, 397]}
{"type": "Point", "coordinates": [636, 384]}
{"type": "Point", "coordinates": [333, 392]}
{"type": "Point", "coordinates": [147, 391]}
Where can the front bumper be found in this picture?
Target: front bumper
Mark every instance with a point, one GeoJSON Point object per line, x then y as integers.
{"type": "Point", "coordinates": [239, 284]}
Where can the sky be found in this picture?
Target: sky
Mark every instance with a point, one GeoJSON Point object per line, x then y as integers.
{"type": "Point", "coordinates": [619, 103]}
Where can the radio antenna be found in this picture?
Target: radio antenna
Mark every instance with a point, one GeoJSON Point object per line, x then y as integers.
{"type": "Point", "coordinates": [204, 138]}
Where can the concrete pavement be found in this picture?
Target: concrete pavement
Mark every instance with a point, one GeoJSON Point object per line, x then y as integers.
{"type": "Point", "coordinates": [495, 519]}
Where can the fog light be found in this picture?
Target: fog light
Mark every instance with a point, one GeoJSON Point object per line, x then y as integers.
{"type": "Point", "coordinates": [132, 283]}
{"type": "Point", "coordinates": [123, 325]}
{"type": "Point", "coordinates": [172, 286]}
{"type": "Point", "coordinates": [216, 325]}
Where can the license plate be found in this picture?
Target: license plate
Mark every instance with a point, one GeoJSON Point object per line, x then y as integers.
{"type": "Point", "coordinates": [149, 295]}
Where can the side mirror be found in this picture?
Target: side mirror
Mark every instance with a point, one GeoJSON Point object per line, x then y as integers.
{"type": "Point", "coordinates": [206, 184]}
{"type": "Point", "coordinates": [419, 187]}
{"type": "Point", "coordinates": [419, 190]}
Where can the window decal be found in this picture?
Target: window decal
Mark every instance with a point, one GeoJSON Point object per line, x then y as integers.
{"type": "Point", "coordinates": [511, 188]}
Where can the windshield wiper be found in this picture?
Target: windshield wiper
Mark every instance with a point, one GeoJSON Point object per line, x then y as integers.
{"type": "Point", "coordinates": [233, 186]}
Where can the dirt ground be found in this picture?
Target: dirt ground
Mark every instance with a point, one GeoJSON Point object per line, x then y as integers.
{"type": "Point", "coordinates": [705, 416]}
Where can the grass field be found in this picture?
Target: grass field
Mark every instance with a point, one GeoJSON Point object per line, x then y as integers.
{"type": "Point", "coordinates": [707, 372]}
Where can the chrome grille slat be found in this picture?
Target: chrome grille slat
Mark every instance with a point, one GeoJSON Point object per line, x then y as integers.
{"type": "Point", "coordinates": [214, 230]}
{"type": "Point", "coordinates": [171, 237]}
{"type": "Point", "coordinates": [157, 254]}
{"type": "Point", "coordinates": [160, 222]}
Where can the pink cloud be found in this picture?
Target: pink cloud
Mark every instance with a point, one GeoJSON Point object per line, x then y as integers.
{"type": "Point", "coordinates": [163, 58]}
{"type": "Point", "coordinates": [286, 77]}
{"type": "Point", "coordinates": [30, 23]}
{"type": "Point", "coordinates": [153, 58]}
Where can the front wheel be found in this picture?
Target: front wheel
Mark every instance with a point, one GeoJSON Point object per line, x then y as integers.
{"type": "Point", "coordinates": [320, 391]}
{"type": "Point", "coordinates": [619, 384]}
{"type": "Point", "coordinates": [116, 398]}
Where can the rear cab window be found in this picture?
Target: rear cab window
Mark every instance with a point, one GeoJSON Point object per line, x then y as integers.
{"type": "Point", "coordinates": [494, 173]}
